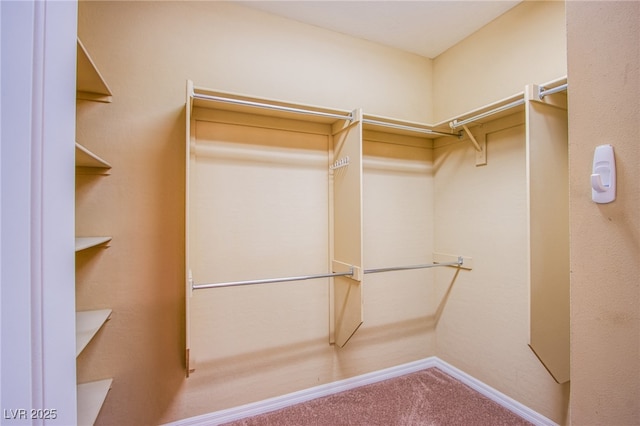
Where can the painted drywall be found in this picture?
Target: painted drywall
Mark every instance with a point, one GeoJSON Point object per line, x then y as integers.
{"type": "Point", "coordinates": [257, 342]}
{"type": "Point", "coordinates": [523, 46]}
{"type": "Point", "coordinates": [147, 51]}
{"type": "Point", "coordinates": [481, 212]}
{"type": "Point", "coordinates": [604, 108]}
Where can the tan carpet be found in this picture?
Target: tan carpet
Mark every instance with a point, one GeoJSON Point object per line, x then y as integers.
{"type": "Point", "coordinates": [427, 397]}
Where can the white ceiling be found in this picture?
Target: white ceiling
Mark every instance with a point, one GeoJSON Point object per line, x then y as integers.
{"type": "Point", "coordinates": [424, 27]}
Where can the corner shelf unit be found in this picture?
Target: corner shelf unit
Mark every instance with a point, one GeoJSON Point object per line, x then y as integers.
{"type": "Point", "coordinates": [90, 86]}
{"type": "Point", "coordinates": [544, 119]}
{"type": "Point", "coordinates": [345, 131]}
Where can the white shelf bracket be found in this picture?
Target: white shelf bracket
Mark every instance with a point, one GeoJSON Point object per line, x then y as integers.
{"type": "Point", "coordinates": [481, 147]}
{"type": "Point", "coordinates": [472, 138]}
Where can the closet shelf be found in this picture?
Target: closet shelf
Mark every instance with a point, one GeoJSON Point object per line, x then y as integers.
{"type": "Point", "coordinates": [89, 82]}
{"type": "Point", "coordinates": [87, 325]}
{"type": "Point", "coordinates": [83, 243]}
{"type": "Point", "coordinates": [91, 396]}
{"type": "Point", "coordinates": [493, 111]}
{"type": "Point", "coordinates": [405, 128]}
{"type": "Point", "coordinates": [205, 99]}
{"type": "Point", "coordinates": [232, 102]}
{"type": "Point", "coordinates": [501, 108]}
{"type": "Point", "coordinates": [86, 158]}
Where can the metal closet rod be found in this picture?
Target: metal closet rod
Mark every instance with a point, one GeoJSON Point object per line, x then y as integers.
{"type": "Point", "coordinates": [455, 123]}
{"type": "Point", "coordinates": [405, 127]}
{"type": "Point", "coordinates": [272, 280]}
{"type": "Point", "coordinates": [271, 107]}
{"type": "Point", "coordinates": [458, 263]}
{"type": "Point", "coordinates": [543, 92]}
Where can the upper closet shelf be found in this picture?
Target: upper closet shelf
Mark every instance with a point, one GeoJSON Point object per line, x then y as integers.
{"type": "Point", "coordinates": [204, 99]}
{"type": "Point", "coordinates": [89, 82]}
{"type": "Point", "coordinates": [209, 99]}
{"type": "Point", "coordinates": [200, 100]}
{"type": "Point", "coordinates": [506, 106]}
{"type": "Point", "coordinates": [86, 158]}
{"type": "Point", "coordinates": [405, 128]}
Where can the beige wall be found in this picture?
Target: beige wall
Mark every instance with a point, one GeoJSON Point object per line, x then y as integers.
{"type": "Point", "coordinates": [604, 107]}
{"type": "Point", "coordinates": [524, 46]}
{"type": "Point", "coordinates": [481, 212]}
{"type": "Point", "coordinates": [146, 52]}
{"type": "Point", "coordinates": [256, 342]}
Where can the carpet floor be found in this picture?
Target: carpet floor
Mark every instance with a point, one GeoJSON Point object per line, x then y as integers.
{"type": "Point", "coordinates": [427, 397]}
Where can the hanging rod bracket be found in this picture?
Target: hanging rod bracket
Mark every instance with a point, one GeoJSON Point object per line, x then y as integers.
{"type": "Point", "coordinates": [543, 91]}
{"type": "Point", "coordinates": [462, 262]}
{"type": "Point", "coordinates": [538, 93]}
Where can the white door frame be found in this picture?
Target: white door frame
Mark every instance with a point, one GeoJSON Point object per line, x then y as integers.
{"type": "Point", "coordinates": [37, 172]}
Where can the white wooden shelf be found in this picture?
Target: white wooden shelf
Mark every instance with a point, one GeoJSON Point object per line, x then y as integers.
{"type": "Point", "coordinates": [90, 86]}
{"type": "Point", "coordinates": [87, 325]}
{"type": "Point", "coordinates": [91, 396]}
{"type": "Point", "coordinates": [86, 158]}
{"type": "Point", "coordinates": [89, 82]}
{"type": "Point", "coordinates": [83, 243]}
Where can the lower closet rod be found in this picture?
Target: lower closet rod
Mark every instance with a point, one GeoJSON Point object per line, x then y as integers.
{"type": "Point", "coordinates": [272, 280]}
{"type": "Point", "coordinates": [457, 263]}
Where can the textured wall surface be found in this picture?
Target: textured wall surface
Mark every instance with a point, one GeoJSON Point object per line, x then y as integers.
{"type": "Point", "coordinates": [147, 51]}
{"type": "Point", "coordinates": [527, 45]}
{"type": "Point", "coordinates": [604, 108]}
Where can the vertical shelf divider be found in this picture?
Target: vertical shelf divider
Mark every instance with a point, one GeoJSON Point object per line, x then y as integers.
{"type": "Point", "coordinates": [347, 229]}
{"type": "Point", "coordinates": [548, 214]}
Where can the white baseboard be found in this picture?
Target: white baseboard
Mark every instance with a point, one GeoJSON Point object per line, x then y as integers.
{"type": "Point", "coordinates": [495, 395]}
{"type": "Point", "coordinates": [283, 401]}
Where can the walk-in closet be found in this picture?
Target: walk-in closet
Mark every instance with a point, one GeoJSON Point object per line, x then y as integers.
{"type": "Point", "coordinates": [268, 210]}
{"type": "Point", "coordinates": [312, 231]}
{"type": "Point", "coordinates": [326, 207]}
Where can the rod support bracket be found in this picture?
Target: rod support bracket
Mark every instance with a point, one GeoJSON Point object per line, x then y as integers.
{"type": "Point", "coordinates": [472, 138]}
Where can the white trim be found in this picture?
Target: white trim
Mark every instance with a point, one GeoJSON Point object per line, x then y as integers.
{"type": "Point", "coordinates": [495, 395]}
{"type": "Point", "coordinates": [37, 144]}
{"type": "Point", "coordinates": [283, 401]}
